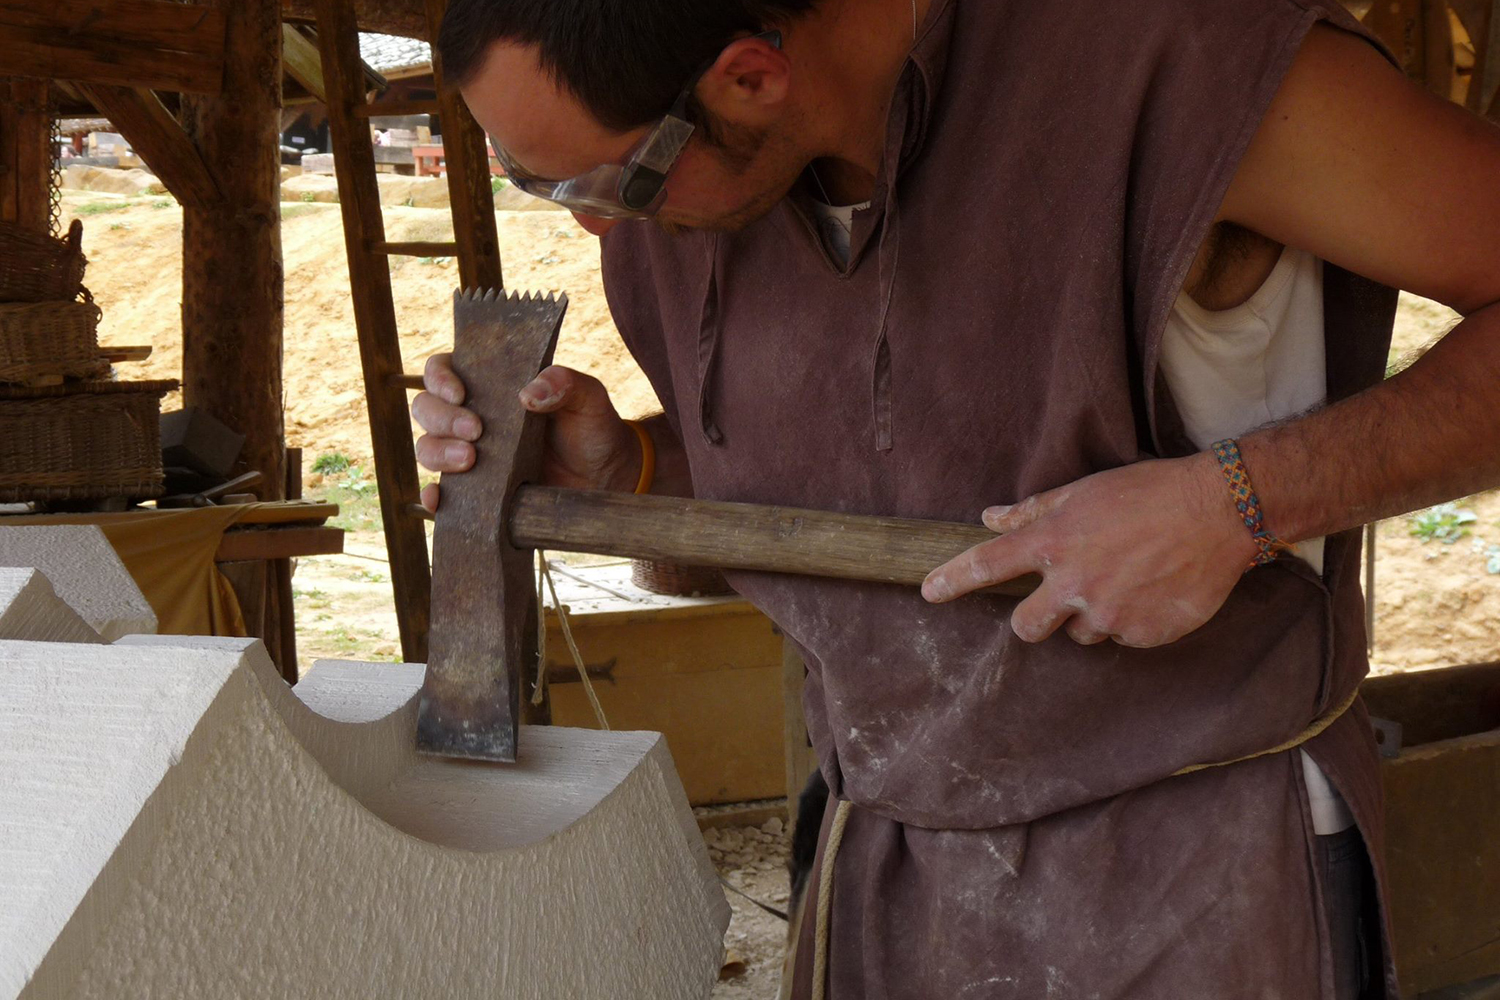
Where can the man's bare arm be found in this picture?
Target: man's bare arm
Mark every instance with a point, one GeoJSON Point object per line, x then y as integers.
{"type": "Point", "coordinates": [1356, 165]}
{"type": "Point", "coordinates": [1359, 167]}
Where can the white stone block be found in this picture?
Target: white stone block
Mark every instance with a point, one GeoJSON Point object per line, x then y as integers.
{"type": "Point", "coordinates": [176, 822]}
{"type": "Point", "coordinates": [30, 609]}
{"type": "Point", "coordinates": [85, 572]}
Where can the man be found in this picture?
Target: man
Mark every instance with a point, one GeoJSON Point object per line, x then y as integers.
{"type": "Point", "coordinates": [1054, 262]}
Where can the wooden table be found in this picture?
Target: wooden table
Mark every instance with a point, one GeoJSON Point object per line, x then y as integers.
{"type": "Point", "coordinates": [256, 556]}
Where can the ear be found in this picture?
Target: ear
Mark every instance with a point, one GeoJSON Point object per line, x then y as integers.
{"type": "Point", "coordinates": [750, 78]}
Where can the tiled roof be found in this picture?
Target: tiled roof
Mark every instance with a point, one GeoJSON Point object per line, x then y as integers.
{"type": "Point", "coordinates": [392, 53]}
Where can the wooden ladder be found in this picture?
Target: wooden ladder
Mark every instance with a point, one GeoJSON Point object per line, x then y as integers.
{"type": "Point", "coordinates": [475, 244]}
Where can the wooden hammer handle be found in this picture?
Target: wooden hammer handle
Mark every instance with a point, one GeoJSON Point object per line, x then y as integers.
{"type": "Point", "coordinates": [744, 536]}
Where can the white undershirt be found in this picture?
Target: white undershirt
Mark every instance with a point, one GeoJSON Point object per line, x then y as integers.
{"type": "Point", "coordinates": [1234, 370]}
{"type": "Point", "coordinates": [836, 225]}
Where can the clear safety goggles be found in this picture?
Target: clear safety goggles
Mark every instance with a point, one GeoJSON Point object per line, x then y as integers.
{"type": "Point", "coordinates": [635, 189]}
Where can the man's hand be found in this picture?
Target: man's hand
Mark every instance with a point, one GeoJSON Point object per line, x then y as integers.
{"type": "Point", "coordinates": [1142, 554]}
{"type": "Point", "coordinates": [588, 445]}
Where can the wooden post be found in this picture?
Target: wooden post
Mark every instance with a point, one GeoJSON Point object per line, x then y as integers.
{"type": "Point", "coordinates": [800, 759]}
{"type": "Point", "coordinates": [375, 323]}
{"type": "Point", "coordinates": [231, 271]}
{"type": "Point", "coordinates": [466, 150]}
{"type": "Point", "coordinates": [25, 154]}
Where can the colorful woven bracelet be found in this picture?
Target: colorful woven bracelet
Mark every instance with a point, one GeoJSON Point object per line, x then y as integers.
{"type": "Point", "coordinates": [1246, 502]}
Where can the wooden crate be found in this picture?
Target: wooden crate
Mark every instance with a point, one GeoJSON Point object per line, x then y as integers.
{"type": "Point", "coordinates": [1443, 822]}
{"type": "Point", "coordinates": [704, 671]}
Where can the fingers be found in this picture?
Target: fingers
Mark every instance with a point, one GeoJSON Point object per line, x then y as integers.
{"type": "Point", "coordinates": [440, 380]}
{"type": "Point", "coordinates": [557, 389]}
{"type": "Point", "coordinates": [984, 565]}
{"type": "Point", "coordinates": [1005, 519]}
{"type": "Point", "coordinates": [442, 419]}
{"type": "Point", "coordinates": [1039, 616]}
{"type": "Point", "coordinates": [1081, 632]}
{"type": "Point", "coordinates": [444, 454]}
{"type": "Point", "coordinates": [430, 497]}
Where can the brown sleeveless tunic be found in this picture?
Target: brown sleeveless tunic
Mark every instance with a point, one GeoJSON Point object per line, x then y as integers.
{"type": "Point", "coordinates": [1052, 167]}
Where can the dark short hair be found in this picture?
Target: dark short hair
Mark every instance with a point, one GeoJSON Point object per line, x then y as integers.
{"type": "Point", "coordinates": [625, 60]}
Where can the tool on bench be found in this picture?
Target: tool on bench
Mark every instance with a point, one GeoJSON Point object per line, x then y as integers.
{"type": "Point", "coordinates": [206, 498]}
{"type": "Point", "coordinates": [484, 620]}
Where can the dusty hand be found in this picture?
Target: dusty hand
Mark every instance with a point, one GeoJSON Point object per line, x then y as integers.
{"type": "Point", "coordinates": [588, 445]}
{"type": "Point", "coordinates": [1142, 554]}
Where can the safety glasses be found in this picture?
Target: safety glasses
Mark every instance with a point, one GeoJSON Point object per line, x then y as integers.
{"type": "Point", "coordinates": [635, 189]}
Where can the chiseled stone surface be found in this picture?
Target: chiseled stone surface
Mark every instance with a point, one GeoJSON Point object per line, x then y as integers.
{"type": "Point", "coordinates": [31, 609]}
{"type": "Point", "coordinates": [175, 822]}
{"type": "Point", "coordinates": [85, 572]}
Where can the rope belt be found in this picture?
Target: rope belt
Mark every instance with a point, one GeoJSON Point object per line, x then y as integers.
{"type": "Point", "coordinates": [841, 820]}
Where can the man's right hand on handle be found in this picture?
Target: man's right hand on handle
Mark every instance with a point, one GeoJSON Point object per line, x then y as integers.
{"type": "Point", "coordinates": [588, 445]}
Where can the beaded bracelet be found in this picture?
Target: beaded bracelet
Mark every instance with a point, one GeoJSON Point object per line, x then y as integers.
{"type": "Point", "coordinates": [1246, 502]}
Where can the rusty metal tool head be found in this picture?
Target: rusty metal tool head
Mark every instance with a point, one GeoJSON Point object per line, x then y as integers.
{"type": "Point", "coordinates": [483, 592]}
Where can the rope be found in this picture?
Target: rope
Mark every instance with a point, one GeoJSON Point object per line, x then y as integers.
{"type": "Point", "coordinates": [1327, 719]}
{"type": "Point", "coordinates": [544, 573]}
{"type": "Point", "coordinates": [778, 914]}
{"type": "Point", "coordinates": [841, 818]}
{"type": "Point", "coordinates": [825, 899]}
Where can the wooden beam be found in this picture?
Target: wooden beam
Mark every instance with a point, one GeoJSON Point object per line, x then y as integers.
{"type": "Point", "coordinates": [232, 265]}
{"type": "Point", "coordinates": [467, 159]}
{"type": "Point", "coordinates": [428, 249]}
{"type": "Point", "coordinates": [25, 154]}
{"type": "Point", "coordinates": [9, 162]}
{"type": "Point", "coordinates": [144, 43]}
{"type": "Point", "coordinates": [157, 136]}
{"type": "Point", "coordinates": [392, 17]}
{"type": "Point", "coordinates": [279, 543]}
{"type": "Point", "coordinates": [397, 109]}
{"type": "Point", "coordinates": [302, 62]}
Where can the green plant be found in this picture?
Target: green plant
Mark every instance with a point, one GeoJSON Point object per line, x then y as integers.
{"type": "Point", "coordinates": [308, 197]}
{"type": "Point", "coordinates": [113, 226]}
{"type": "Point", "coordinates": [100, 207]}
{"type": "Point", "coordinates": [411, 201]}
{"type": "Point", "coordinates": [331, 463]}
{"type": "Point", "coordinates": [162, 203]}
{"type": "Point", "coordinates": [357, 484]}
{"type": "Point", "coordinates": [496, 184]}
{"type": "Point", "coordinates": [1445, 523]}
{"type": "Point", "coordinates": [1492, 560]}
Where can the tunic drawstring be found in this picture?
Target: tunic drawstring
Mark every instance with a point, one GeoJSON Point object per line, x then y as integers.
{"type": "Point", "coordinates": [880, 387]}
{"type": "Point", "coordinates": [708, 346]}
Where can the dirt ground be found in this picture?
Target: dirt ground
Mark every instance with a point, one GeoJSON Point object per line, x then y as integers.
{"type": "Point", "coordinates": [1436, 603]}
{"type": "Point", "coordinates": [753, 860]}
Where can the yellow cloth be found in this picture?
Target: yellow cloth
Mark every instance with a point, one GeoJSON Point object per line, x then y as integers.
{"type": "Point", "coordinates": [170, 553]}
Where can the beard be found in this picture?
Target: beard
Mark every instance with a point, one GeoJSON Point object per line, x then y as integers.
{"type": "Point", "coordinates": [760, 159]}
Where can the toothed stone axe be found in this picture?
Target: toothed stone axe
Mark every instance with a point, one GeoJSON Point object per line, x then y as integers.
{"type": "Point", "coordinates": [493, 517]}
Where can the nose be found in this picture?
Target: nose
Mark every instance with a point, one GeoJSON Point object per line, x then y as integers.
{"type": "Point", "coordinates": [594, 224]}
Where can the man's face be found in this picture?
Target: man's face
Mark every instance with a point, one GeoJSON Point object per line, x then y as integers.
{"type": "Point", "coordinates": [546, 130]}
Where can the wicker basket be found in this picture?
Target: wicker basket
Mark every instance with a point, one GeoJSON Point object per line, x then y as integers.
{"type": "Point", "coordinates": [680, 581]}
{"type": "Point", "coordinates": [49, 341]}
{"type": "Point", "coordinates": [81, 441]}
{"type": "Point", "coordinates": [38, 268]}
